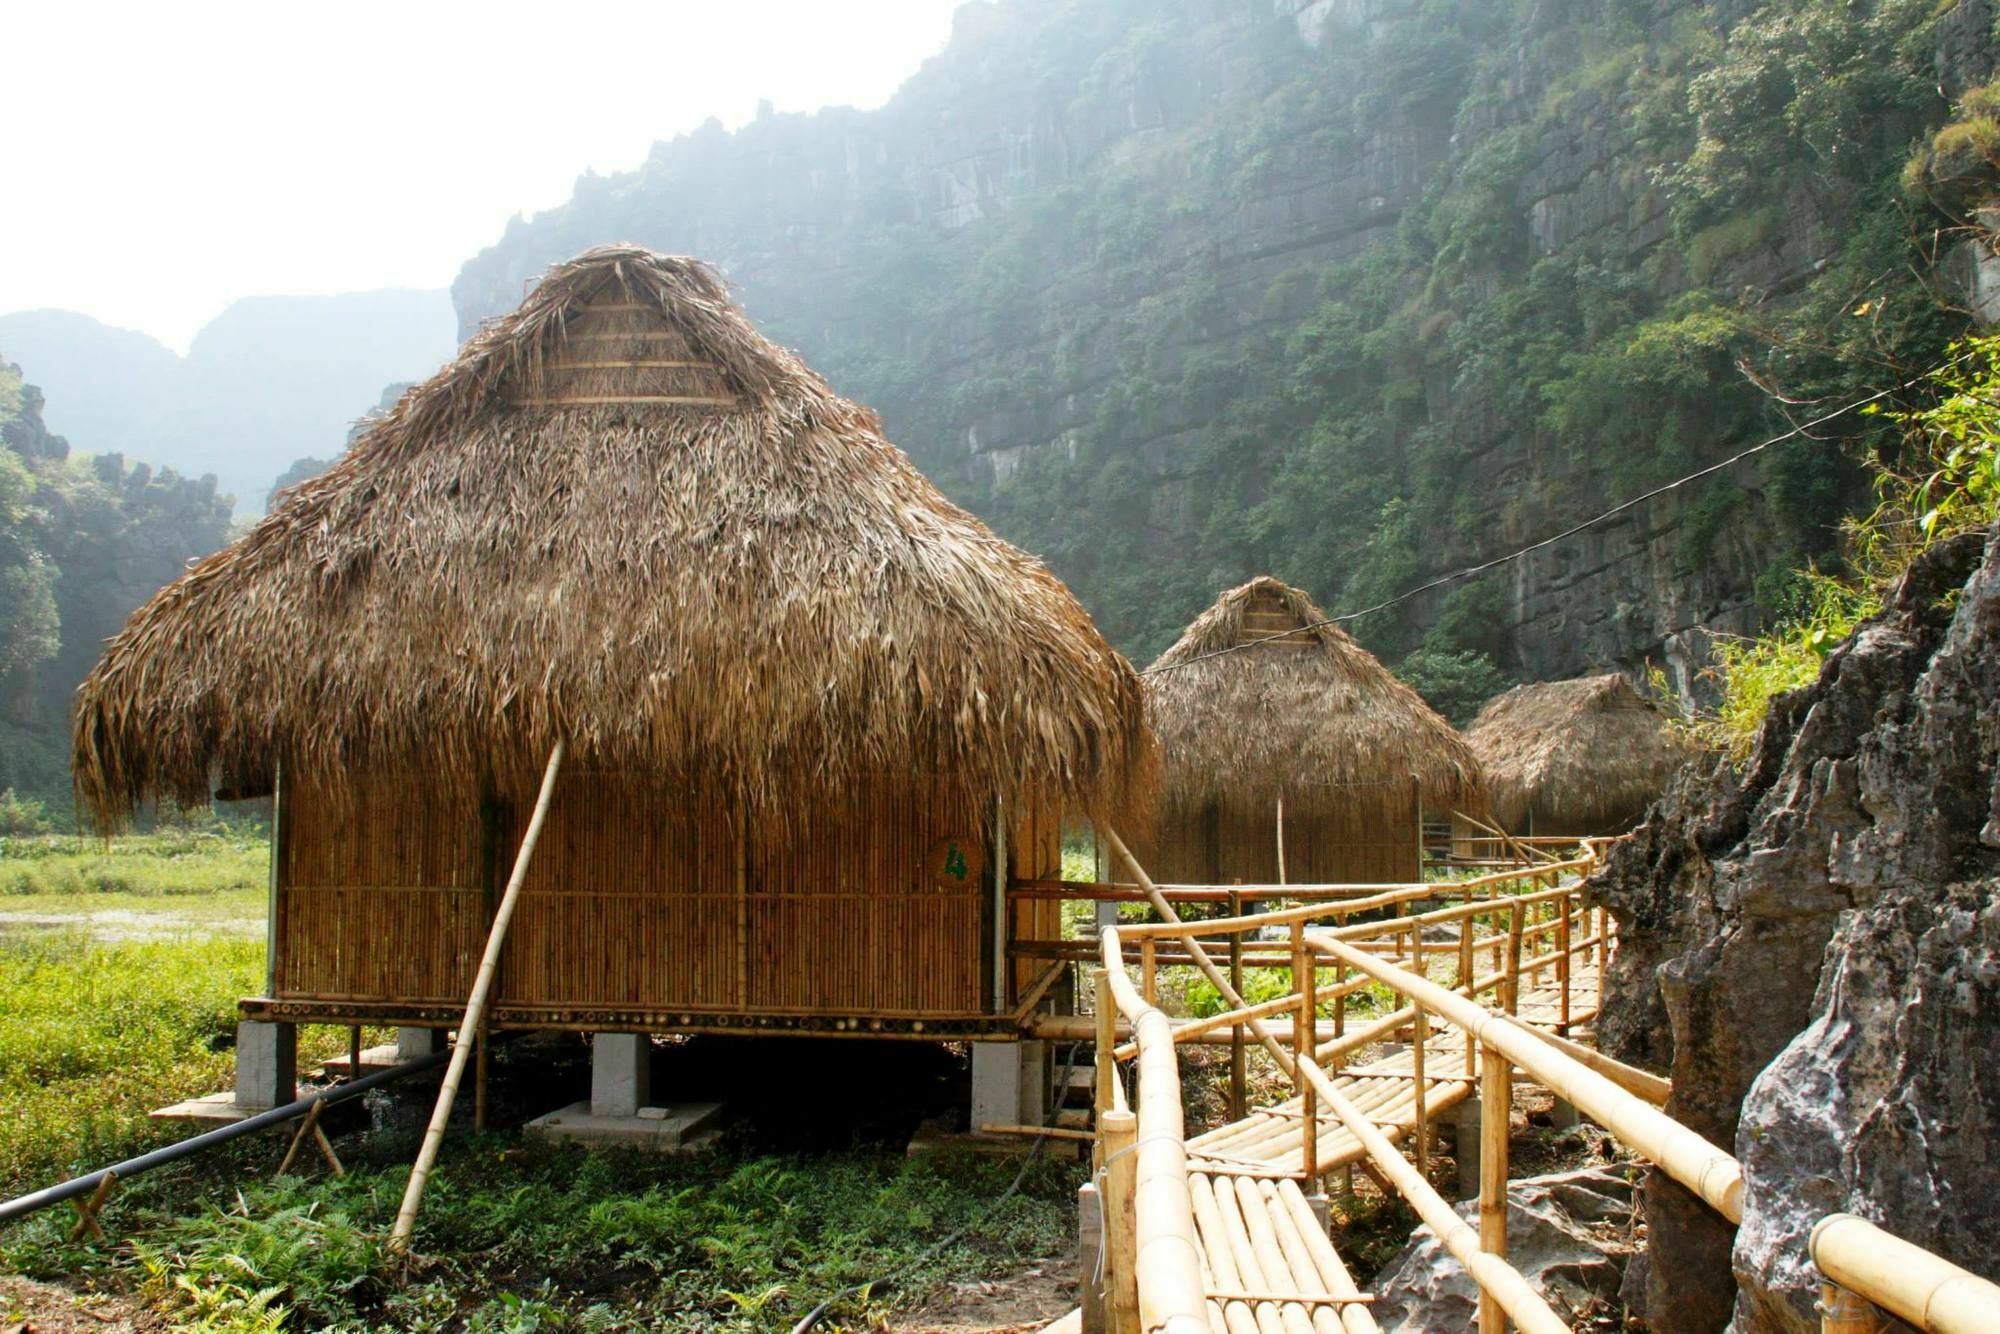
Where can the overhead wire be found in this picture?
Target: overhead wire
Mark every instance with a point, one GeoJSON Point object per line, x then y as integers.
{"type": "Point", "coordinates": [1467, 572]}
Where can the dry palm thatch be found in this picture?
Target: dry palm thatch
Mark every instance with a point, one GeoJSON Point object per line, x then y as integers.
{"type": "Point", "coordinates": [1297, 716]}
{"type": "Point", "coordinates": [1577, 757]}
{"type": "Point", "coordinates": [624, 517]}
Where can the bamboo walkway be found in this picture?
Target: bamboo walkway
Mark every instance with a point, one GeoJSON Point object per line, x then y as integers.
{"type": "Point", "coordinates": [1223, 1232]}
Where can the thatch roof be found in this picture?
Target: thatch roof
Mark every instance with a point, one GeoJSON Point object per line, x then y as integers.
{"type": "Point", "coordinates": [1581, 756]}
{"type": "Point", "coordinates": [623, 516]}
{"type": "Point", "coordinates": [1298, 715]}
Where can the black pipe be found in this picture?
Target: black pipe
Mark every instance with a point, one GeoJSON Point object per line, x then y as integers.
{"type": "Point", "coordinates": [146, 1162]}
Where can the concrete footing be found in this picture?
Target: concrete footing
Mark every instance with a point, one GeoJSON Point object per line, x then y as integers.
{"type": "Point", "coordinates": [1010, 1084]}
{"type": "Point", "coordinates": [1564, 1115]}
{"type": "Point", "coordinates": [267, 1064]}
{"type": "Point", "coordinates": [621, 1074]}
{"type": "Point", "coordinates": [1090, 1257]}
{"type": "Point", "coordinates": [412, 1043]}
{"type": "Point", "coordinates": [677, 1128]}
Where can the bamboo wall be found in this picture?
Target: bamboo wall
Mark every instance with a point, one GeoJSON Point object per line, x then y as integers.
{"type": "Point", "coordinates": [1362, 834]}
{"type": "Point", "coordinates": [643, 898]}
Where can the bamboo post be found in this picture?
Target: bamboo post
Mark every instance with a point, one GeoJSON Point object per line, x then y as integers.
{"type": "Point", "coordinates": [1149, 970]}
{"type": "Point", "coordinates": [1304, 1031]}
{"type": "Point", "coordinates": [353, 1051]}
{"type": "Point", "coordinates": [1466, 981]}
{"type": "Point", "coordinates": [1239, 1092]}
{"type": "Point", "coordinates": [475, 1010]}
{"type": "Point", "coordinates": [1417, 809]}
{"type": "Point", "coordinates": [1106, 1019]}
{"type": "Point", "coordinates": [1511, 985]}
{"type": "Point", "coordinates": [1562, 962]}
{"type": "Point", "coordinates": [86, 1210]}
{"type": "Point", "coordinates": [1120, 1205]}
{"type": "Point", "coordinates": [1281, 838]}
{"type": "Point", "coordinates": [742, 903]}
{"type": "Point", "coordinates": [1420, 1030]}
{"type": "Point", "coordinates": [1496, 1095]}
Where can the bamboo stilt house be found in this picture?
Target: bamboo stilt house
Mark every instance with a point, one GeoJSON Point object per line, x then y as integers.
{"type": "Point", "coordinates": [1291, 754]}
{"type": "Point", "coordinates": [1578, 757]}
{"type": "Point", "coordinates": [815, 714]}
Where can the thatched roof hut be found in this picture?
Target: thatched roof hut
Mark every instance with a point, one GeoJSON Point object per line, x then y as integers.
{"type": "Point", "coordinates": [818, 719]}
{"type": "Point", "coordinates": [1260, 701]}
{"type": "Point", "coordinates": [1574, 757]}
{"type": "Point", "coordinates": [625, 516]}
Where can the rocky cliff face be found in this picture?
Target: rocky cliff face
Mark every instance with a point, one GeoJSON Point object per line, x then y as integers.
{"type": "Point", "coordinates": [1176, 291]}
{"type": "Point", "coordinates": [1814, 948]}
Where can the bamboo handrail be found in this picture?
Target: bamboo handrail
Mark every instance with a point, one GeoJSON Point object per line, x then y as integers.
{"type": "Point", "coordinates": [1680, 1152]}
{"type": "Point", "coordinates": [1171, 1299]}
{"type": "Point", "coordinates": [1909, 1282]}
{"type": "Point", "coordinates": [475, 1010]}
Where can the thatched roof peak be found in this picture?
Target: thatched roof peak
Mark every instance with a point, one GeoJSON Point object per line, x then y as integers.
{"type": "Point", "coordinates": [1248, 716]}
{"type": "Point", "coordinates": [623, 516]}
{"type": "Point", "coordinates": [1585, 755]}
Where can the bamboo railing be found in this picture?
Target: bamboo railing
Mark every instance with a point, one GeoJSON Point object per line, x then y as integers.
{"type": "Point", "coordinates": [1152, 1255]}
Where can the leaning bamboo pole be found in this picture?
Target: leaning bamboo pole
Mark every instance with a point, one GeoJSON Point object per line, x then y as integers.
{"type": "Point", "coordinates": [475, 1010]}
{"type": "Point", "coordinates": [1681, 1153]}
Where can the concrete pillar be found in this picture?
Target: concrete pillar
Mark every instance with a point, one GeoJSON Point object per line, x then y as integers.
{"type": "Point", "coordinates": [1106, 915]}
{"type": "Point", "coordinates": [1465, 1147]}
{"type": "Point", "coordinates": [1009, 1083]}
{"type": "Point", "coordinates": [1322, 1210]}
{"type": "Point", "coordinates": [267, 1065]}
{"type": "Point", "coordinates": [1564, 1115]}
{"type": "Point", "coordinates": [412, 1043]}
{"type": "Point", "coordinates": [621, 1074]}
{"type": "Point", "coordinates": [1090, 1257]}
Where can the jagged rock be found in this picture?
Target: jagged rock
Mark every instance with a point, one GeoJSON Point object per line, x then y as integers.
{"type": "Point", "coordinates": [1570, 1233]}
{"type": "Point", "coordinates": [1821, 904]}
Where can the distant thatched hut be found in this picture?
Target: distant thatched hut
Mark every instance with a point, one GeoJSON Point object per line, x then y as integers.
{"type": "Point", "coordinates": [1276, 727]}
{"type": "Point", "coordinates": [815, 713]}
{"type": "Point", "coordinates": [1574, 757]}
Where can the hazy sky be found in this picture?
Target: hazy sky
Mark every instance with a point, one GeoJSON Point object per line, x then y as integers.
{"type": "Point", "coordinates": [165, 159]}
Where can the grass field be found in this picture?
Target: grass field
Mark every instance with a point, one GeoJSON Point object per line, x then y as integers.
{"type": "Point", "coordinates": [120, 966]}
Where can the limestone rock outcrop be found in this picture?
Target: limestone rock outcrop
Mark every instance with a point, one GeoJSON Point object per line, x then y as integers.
{"type": "Point", "coordinates": [1812, 947]}
{"type": "Point", "coordinates": [1570, 1233]}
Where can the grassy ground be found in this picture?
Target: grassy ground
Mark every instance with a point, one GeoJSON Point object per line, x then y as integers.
{"type": "Point", "coordinates": [120, 965]}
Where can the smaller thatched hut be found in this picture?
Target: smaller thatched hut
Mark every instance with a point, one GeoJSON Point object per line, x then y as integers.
{"type": "Point", "coordinates": [1574, 757]}
{"type": "Point", "coordinates": [1278, 731]}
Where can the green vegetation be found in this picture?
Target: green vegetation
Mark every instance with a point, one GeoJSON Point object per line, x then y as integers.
{"type": "Point", "coordinates": [1940, 480]}
{"type": "Point", "coordinates": [83, 540]}
{"type": "Point", "coordinates": [101, 1027]}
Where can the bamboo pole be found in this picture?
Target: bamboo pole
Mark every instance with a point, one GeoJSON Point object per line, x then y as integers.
{"type": "Point", "coordinates": [1496, 1096]}
{"type": "Point", "coordinates": [1239, 1075]}
{"type": "Point", "coordinates": [1120, 1137]}
{"type": "Point", "coordinates": [1149, 971]}
{"type": "Point", "coordinates": [1281, 838]}
{"type": "Point", "coordinates": [1682, 1153]}
{"type": "Point", "coordinates": [1303, 1028]}
{"type": "Point", "coordinates": [1195, 948]}
{"type": "Point", "coordinates": [1910, 1283]}
{"type": "Point", "coordinates": [475, 1010]}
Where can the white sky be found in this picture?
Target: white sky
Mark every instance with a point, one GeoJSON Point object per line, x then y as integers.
{"type": "Point", "coordinates": [164, 159]}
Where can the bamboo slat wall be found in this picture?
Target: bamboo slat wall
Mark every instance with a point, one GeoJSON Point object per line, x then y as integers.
{"type": "Point", "coordinates": [1034, 852]}
{"type": "Point", "coordinates": [642, 898]}
{"type": "Point", "coordinates": [398, 911]}
{"type": "Point", "coordinates": [1333, 835]}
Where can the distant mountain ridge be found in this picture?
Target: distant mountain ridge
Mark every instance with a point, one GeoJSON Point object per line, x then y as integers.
{"type": "Point", "coordinates": [268, 381]}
